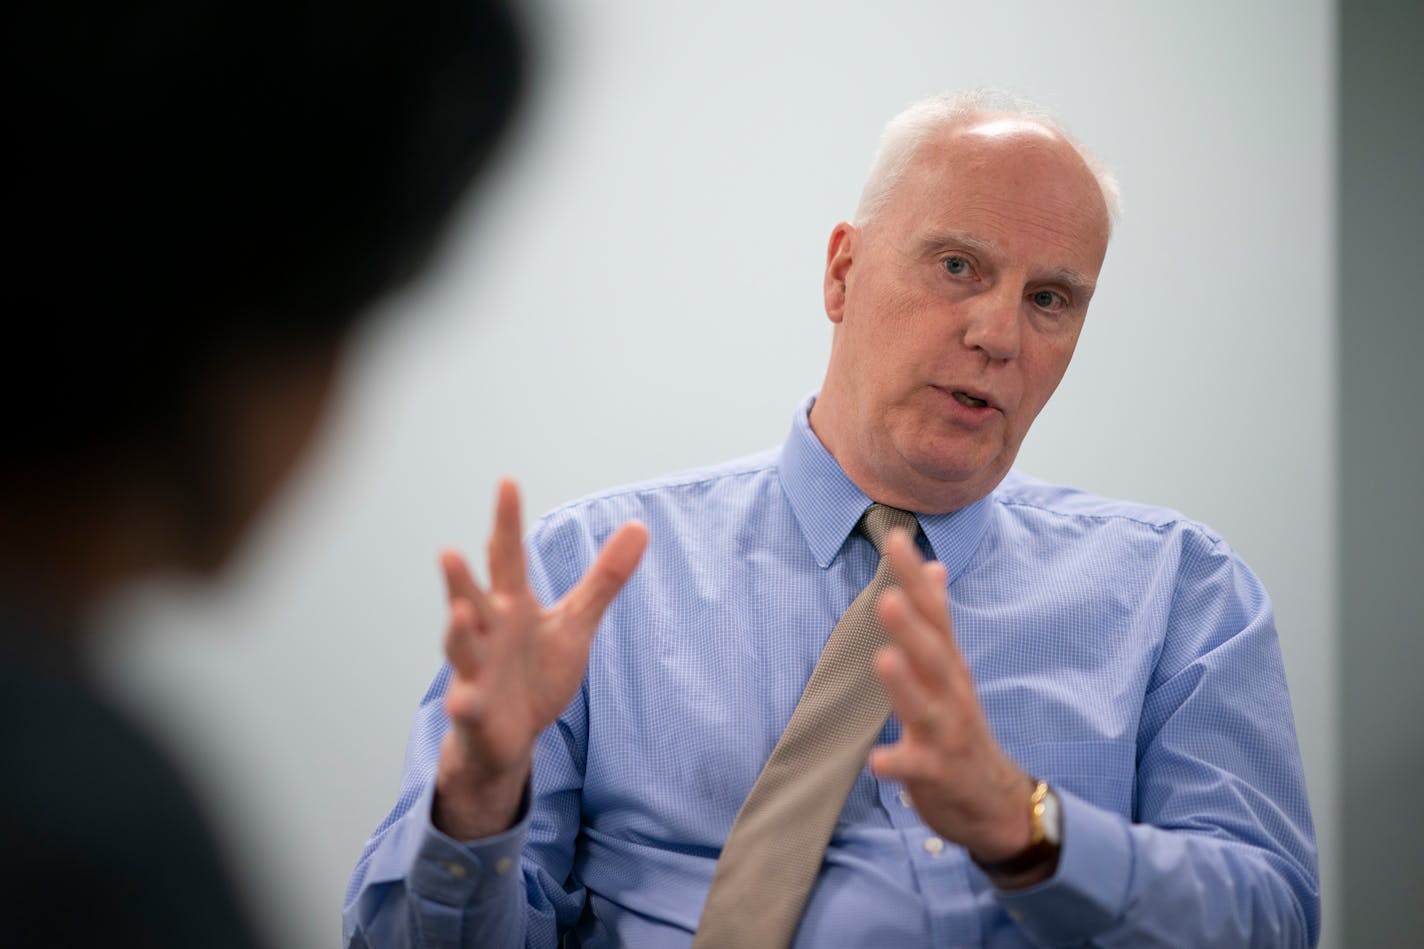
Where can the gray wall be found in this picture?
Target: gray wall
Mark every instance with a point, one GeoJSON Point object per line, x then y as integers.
{"type": "Point", "coordinates": [1381, 342]}
{"type": "Point", "coordinates": [640, 291]}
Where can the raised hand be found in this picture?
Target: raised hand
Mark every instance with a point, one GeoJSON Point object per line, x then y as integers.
{"type": "Point", "coordinates": [960, 782]}
{"type": "Point", "coordinates": [515, 666]}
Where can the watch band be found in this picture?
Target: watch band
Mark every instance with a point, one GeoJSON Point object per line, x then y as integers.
{"type": "Point", "coordinates": [1044, 845]}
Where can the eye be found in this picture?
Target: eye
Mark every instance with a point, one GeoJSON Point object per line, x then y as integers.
{"type": "Point", "coordinates": [957, 266]}
{"type": "Point", "coordinates": [1049, 300]}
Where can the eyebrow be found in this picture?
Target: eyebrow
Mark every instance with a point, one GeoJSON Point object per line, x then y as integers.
{"type": "Point", "coordinates": [948, 240]}
{"type": "Point", "coordinates": [1081, 286]}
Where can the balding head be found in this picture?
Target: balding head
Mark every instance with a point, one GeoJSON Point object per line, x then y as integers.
{"type": "Point", "coordinates": [992, 113]}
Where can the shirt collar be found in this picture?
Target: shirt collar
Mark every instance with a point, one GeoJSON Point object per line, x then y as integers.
{"type": "Point", "coordinates": [827, 504]}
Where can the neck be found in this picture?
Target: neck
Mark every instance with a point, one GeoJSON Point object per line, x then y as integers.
{"type": "Point", "coordinates": [909, 492]}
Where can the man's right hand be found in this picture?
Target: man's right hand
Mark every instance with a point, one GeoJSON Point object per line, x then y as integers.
{"type": "Point", "coordinates": [515, 667]}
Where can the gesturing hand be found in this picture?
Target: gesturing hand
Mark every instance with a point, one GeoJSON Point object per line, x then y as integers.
{"type": "Point", "coordinates": [960, 781]}
{"type": "Point", "coordinates": [515, 666]}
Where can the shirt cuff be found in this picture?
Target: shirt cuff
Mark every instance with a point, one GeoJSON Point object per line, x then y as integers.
{"type": "Point", "coordinates": [439, 868]}
{"type": "Point", "coordinates": [459, 874]}
{"type": "Point", "coordinates": [1087, 895]}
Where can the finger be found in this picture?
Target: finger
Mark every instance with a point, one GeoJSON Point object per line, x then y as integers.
{"type": "Point", "coordinates": [929, 653]}
{"type": "Point", "coordinates": [903, 761]}
{"type": "Point", "coordinates": [922, 583]}
{"type": "Point", "coordinates": [890, 762]}
{"type": "Point", "coordinates": [461, 641]}
{"type": "Point", "coordinates": [937, 580]}
{"type": "Point", "coordinates": [904, 555]}
{"type": "Point", "coordinates": [506, 544]}
{"type": "Point", "coordinates": [460, 584]}
{"type": "Point", "coordinates": [925, 584]}
{"type": "Point", "coordinates": [464, 706]}
{"type": "Point", "coordinates": [585, 603]}
{"type": "Point", "coordinates": [912, 702]}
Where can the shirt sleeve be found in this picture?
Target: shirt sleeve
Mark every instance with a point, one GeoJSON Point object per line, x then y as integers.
{"type": "Point", "coordinates": [1220, 850]}
{"type": "Point", "coordinates": [415, 886]}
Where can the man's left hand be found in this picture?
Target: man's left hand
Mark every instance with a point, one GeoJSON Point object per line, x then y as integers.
{"type": "Point", "coordinates": [960, 781]}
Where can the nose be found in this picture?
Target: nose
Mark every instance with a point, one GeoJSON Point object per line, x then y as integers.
{"type": "Point", "coordinates": [993, 324]}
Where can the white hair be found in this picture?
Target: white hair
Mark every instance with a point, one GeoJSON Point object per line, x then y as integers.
{"type": "Point", "coordinates": [907, 132]}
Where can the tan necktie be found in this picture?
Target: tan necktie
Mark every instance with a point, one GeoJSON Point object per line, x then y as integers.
{"type": "Point", "coordinates": [774, 851]}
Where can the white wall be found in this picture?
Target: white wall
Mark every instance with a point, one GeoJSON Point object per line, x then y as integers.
{"type": "Point", "coordinates": [639, 291]}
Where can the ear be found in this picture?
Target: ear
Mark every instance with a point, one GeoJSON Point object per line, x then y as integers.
{"type": "Point", "coordinates": [838, 260]}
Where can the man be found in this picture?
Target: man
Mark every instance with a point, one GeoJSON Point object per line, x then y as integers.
{"type": "Point", "coordinates": [201, 197]}
{"type": "Point", "coordinates": [1090, 738]}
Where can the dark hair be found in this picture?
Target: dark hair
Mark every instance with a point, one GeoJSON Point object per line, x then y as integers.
{"type": "Point", "coordinates": [190, 178]}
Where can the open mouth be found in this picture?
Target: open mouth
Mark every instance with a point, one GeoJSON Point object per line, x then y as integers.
{"type": "Point", "coordinates": [964, 398]}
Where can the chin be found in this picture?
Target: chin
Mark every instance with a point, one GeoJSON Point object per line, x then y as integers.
{"type": "Point", "coordinates": [958, 482]}
{"type": "Point", "coordinates": [953, 464]}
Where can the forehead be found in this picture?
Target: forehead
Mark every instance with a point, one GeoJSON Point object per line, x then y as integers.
{"type": "Point", "coordinates": [1011, 186]}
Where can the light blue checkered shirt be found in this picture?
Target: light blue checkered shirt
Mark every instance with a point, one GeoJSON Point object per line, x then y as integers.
{"type": "Point", "coordinates": [1121, 652]}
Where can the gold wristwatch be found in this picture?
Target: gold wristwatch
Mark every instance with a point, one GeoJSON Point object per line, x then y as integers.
{"type": "Point", "coordinates": [1045, 842]}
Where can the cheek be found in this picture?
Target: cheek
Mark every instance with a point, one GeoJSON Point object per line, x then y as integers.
{"type": "Point", "coordinates": [888, 340]}
{"type": "Point", "coordinates": [888, 301]}
{"type": "Point", "coordinates": [1043, 371]}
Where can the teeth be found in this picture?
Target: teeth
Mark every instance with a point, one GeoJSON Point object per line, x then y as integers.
{"type": "Point", "coordinates": [969, 400]}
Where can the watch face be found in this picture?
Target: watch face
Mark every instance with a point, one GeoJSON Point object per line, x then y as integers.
{"type": "Point", "coordinates": [1052, 819]}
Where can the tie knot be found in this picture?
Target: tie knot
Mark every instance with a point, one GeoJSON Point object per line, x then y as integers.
{"type": "Point", "coordinates": [879, 518]}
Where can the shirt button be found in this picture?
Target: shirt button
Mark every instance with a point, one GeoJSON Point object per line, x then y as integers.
{"type": "Point", "coordinates": [456, 870]}
{"type": "Point", "coordinates": [502, 865]}
{"type": "Point", "coordinates": [934, 846]}
{"type": "Point", "coordinates": [1017, 915]}
{"type": "Point", "coordinates": [905, 798]}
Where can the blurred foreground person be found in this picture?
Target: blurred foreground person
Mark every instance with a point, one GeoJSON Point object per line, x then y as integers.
{"type": "Point", "coordinates": [201, 197]}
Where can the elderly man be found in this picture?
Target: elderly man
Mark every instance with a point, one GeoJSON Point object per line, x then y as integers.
{"type": "Point", "coordinates": [1089, 737]}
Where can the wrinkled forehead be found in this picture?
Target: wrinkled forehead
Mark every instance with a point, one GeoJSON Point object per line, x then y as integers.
{"type": "Point", "coordinates": [1006, 174]}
